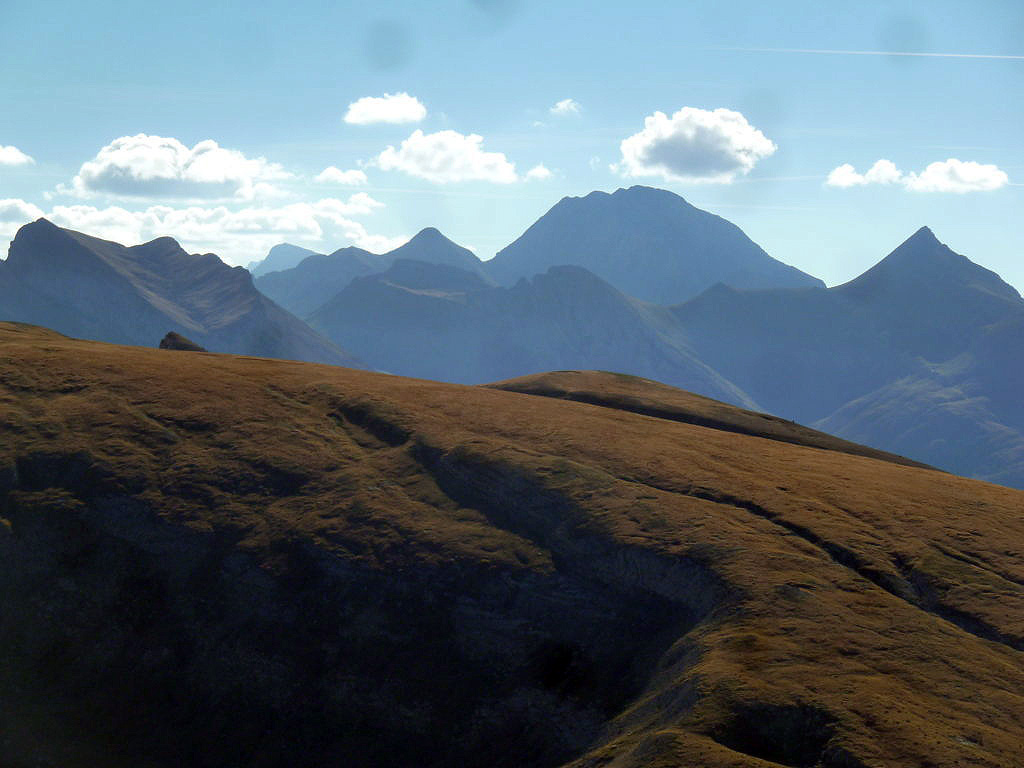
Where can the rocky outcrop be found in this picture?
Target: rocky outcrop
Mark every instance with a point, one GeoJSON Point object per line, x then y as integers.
{"type": "Point", "coordinates": [176, 341]}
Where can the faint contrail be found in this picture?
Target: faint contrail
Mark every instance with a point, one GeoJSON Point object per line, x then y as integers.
{"type": "Point", "coordinates": [874, 53]}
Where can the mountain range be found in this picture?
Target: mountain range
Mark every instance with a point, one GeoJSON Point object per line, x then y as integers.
{"type": "Point", "coordinates": [320, 277]}
{"type": "Point", "coordinates": [917, 356]}
{"type": "Point", "coordinates": [97, 289]}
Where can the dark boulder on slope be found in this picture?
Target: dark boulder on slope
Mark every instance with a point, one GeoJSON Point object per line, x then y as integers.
{"type": "Point", "coordinates": [178, 342]}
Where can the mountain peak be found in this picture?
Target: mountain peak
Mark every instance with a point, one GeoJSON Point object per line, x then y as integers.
{"type": "Point", "coordinates": [923, 260]}
{"type": "Point", "coordinates": [430, 235]}
{"type": "Point", "coordinates": [649, 243]}
{"type": "Point", "coordinates": [282, 256]}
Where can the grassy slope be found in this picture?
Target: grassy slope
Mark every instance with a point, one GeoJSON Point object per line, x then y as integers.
{"type": "Point", "coordinates": [651, 398]}
{"type": "Point", "coordinates": [871, 612]}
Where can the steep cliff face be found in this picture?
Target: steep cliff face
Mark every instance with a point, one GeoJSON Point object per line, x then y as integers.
{"type": "Point", "coordinates": [210, 560]}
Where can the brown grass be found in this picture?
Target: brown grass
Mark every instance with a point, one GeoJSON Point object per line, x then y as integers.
{"type": "Point", "coordinates": [884, 600]}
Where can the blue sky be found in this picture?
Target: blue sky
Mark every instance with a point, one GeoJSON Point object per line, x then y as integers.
{"type": "Point", "coordinates": [270, 84]}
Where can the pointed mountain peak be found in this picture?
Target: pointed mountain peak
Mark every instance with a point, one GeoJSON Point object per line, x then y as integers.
{"type": "Point", "coordinates": [430, 235]}
{"type": "Point", "coordinates": [922, 249]}
{"type": "Point", "coordinates": [39, 227]}
{"type": "Point", "coordinates": [922, 260]}
{"type": "Point", "coordinates": [428, 240]}
{"type": "Point", "coordinates": [924, 233]}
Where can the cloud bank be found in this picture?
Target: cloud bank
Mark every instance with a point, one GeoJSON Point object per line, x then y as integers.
{"type": "Point", "coordinates": [952, 175]}
{"type": "Point", "coordinates": [160, 167]}
{"type": "Point", "coordinates": [694, 145]}
{"type": "Point", "coordinates": [389, 108]}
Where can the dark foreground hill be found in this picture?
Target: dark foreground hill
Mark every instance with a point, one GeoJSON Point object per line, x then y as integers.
{"type": "Point", "coordinates": [96, 289]}
{"type": "Point", "coordinates": [218, 561]}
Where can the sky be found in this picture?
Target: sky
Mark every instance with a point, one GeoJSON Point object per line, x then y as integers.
{"type": "Point", "coordinates": [829, 132]}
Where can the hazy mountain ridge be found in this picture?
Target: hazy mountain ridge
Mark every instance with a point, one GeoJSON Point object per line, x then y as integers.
{"type": "Point", "coordinates": [649, 243]}
{"type": "Point", "coordinates": [282, 256]}
{"type": "Point", "coordinates": [91, 288]}
{"type": "Point", "coordinates": [442, 323]}
{"type": "Point", "coordinates": [306, 287]}
{"type": "Point", "coordinates": [914, 356]}
{"type": "Point", "coordinates": [917, 356]}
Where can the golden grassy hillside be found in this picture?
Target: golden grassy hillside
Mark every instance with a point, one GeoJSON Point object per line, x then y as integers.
{"type": "Point", "coordinates": [217, 560]}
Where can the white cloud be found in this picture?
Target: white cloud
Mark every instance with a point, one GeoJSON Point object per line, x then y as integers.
{"type": "Point", "coordinates": [565, 107]}
{"type": "Point", "coordinates": [334, 175]}
{"type": "Point", "coordinates": [539, 172]}
{"type": "Point", "coordinates": [447, 156]}
{"type": "Point", "coordinates": [159, 167]}
{"type": "Point", "coordinates": [882, 172]}
{"type": "Point", "coordinates": [389, 108]}
{"type": "Point", "coordinates": [694, 145]}
{"type": "Point", "coordinates": [959, 176]}
{"type": "Point", "coordinates": [236, 235]}
{"type": "Point", "coordinates": [14, 156]}
{"type": "Point", "coordinates": [950, 175]}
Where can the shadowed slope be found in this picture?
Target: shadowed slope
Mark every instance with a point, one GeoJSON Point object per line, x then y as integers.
{"type": "Point", "coordinates": [366, 570]}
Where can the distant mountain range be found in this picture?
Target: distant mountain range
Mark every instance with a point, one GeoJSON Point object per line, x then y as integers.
{"type": "Point", "coordinates": [320, 277]}
{"type": "Point", "coordinates": [916, 355]}
{"type": "Point", "coordinates": [441, 322]}
{"type": "Point", "coordinates": [96, 289]}
{"type": "Point", "coordinates": [648, 243]}
{"type": "Point", "coordinates": [283, 256]}
{"type": "Point", "coordinates": [921, 355]}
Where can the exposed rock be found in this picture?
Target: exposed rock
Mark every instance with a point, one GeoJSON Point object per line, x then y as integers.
{"type": "Point", "coordinates": [176, 341]}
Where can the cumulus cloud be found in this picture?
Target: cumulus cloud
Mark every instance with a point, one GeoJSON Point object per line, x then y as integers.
{"type": "Point", "coordinates": [14, 156]}
{"type": "Point", "coordinates": [565, 107]}
{"type": "Point", "coordinates": [539, 172]}
{"type": "Point", "coordinates": [882, 172]}
{"type": "Point", "coordinates": [950, 175]}
{"type": "Point", "coordinates": [236, 235]}
{"type": "Point", "coordinates": [334, 175]}
{"type": "Point", "coordinates": [447, 156]}
{"type": "Point", "coordinates": [389, 108]}
{"type": "Point", "coordinates": [959, 176]}
{"type": "Point", "coordinates": [694, 145]}
{"type": "Point", "coordinates": [160, 167]}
